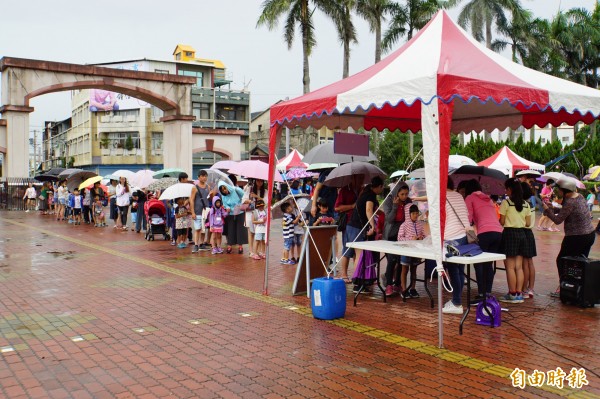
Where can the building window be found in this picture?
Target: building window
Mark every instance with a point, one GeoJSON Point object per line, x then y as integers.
{"type": "Point", "coordinates": [189, 54]}
{"type": "Point", "coordinates": [197, 74]}
{"type": "Point", "coordinates": [566, 138]}
{"type": "Point", "coordinates": [323, 140]}
{"type": "Point", "coordinates": [157, 140]}
{"type": "Point", "coordinates": [178, 56]}
{"type": "Point", "coordinates": [201, 110]}
{"type": "Point", "coordinates": [118, 140]}
{"type": "Point", "coordinates": [231, 112]}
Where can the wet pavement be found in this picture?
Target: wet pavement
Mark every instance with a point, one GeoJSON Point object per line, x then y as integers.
{"type": "Point", "coordinates": [98, 313]}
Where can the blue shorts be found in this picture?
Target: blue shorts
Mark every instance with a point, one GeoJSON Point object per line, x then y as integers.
{"type": "Point", "coordinates": [298, 239]}
{"type": "Point", "coordinates": [351, 235]}
{"type": "Point", "coordinates": [198, 222]}
{"type": "Point", "coordinates": [62, 201]}
{"type": "Point", "coordinates": [288, 243]}
{"type": "Point", "coordinates": [259, 236]}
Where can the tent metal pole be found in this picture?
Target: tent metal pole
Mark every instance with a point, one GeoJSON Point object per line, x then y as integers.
{"type": "Point", "coordinates": [440, 315]}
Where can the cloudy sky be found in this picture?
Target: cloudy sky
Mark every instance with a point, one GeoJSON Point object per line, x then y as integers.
{"type": "Point", "coordinates": [86, 32]}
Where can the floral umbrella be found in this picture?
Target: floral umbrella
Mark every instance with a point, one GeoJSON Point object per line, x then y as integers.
{"type": "Point", "coordinates": [162, 184]}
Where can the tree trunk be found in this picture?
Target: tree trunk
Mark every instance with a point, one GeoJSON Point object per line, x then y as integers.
{"type": "Point", "coordinates": [346, 67]}
{"type": "Point", "coordinates": [305, 48]}
{"type": "Point", "coordinates": [554, 134]}
{"type": "Point", "coordinates": [378, 41]}
{"type": "Point", "coordinates": [488, 32]}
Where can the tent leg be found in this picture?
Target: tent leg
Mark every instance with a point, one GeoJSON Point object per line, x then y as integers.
{"type": "Point", "coordinates": [440, 315]}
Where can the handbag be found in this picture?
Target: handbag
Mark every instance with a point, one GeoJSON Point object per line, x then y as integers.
{"type": "Point", "coordinates": [342, 221]}
{"type": "Point", "coordinates": [471, 235]}
{"type": "Point", "coordinates": [463, 250]}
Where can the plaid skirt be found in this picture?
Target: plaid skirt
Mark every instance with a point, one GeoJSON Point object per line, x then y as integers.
{"type": "Point", "coordinates": [515, 242]}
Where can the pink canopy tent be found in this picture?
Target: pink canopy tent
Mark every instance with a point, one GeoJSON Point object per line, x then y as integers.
{"type": "Point", "coordinates": [508, 162]}
{"type": "Point", "coordinates": [439, 82]}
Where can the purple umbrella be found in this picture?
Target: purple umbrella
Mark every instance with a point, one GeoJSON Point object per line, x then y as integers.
{"type": "Point", "coordinates": [298, 173]}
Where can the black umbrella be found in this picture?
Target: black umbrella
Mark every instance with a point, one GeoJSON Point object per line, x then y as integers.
{"type": "Point", "coordinates": [323, 153]}
{"type": "Point", "coordinates": [51, 175]}
{"type": "Point", "coordinates": [491, 180]}
{"type": "Point", "coordinates": [68, 172]}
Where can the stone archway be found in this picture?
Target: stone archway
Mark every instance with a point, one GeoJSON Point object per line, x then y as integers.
{"type": "Point", "coordinates": [24, 79]}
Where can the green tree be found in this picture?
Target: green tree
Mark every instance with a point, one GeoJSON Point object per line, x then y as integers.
{"type": "Point", "coordinates": [518, 36]}
{"type": "Point", "coordinates": [480, 16]}
{"type": "Point", "coordinates": [346, 30]}
{"type": "Point", "coordinates": [408, 18]}
{"type": "Point", "coordinates": [374, 12]}
{"type": "Point", "coordinates": [296, 13]}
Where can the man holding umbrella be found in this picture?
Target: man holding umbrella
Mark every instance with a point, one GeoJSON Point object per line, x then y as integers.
{"type": "Point", "coordinates": [199, 201]}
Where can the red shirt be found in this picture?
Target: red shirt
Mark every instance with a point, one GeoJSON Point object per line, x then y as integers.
{"type": "Point", "coordinates": [346, 197]}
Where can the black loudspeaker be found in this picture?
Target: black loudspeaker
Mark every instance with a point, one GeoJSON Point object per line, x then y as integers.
{"type": "Point", "coordinates": [579, 281]}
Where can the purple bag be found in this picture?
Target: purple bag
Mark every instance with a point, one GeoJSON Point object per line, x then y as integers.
{"type": "Point", "coordinates": [365, 272]}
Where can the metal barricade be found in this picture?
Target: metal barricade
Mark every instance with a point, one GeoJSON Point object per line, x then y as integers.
{"type": "Point", "coordinates": [12, 190]}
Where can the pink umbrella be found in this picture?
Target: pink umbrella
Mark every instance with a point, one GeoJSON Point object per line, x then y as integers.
{"type": "Point", "coordinates": [254, 170]}
{"type": "Point", "coordinates": [224, 165]}
{"type": "Point", "coordinates": [298, 173]}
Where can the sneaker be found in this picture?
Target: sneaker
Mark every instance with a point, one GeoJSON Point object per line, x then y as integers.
{"type": "Point", "coordinates": [397, 289]}
{"type": "Point", "coordinates": [555, 294]}
{"type": "Point", "coordinates": [405, 294]}
{"type": "Point", "coordinates": [284, 261]}
{"type": "Point", "coordinates": [240, 250]}
{"type": "Point", "coordinates": [173, 243]}
{"type": "Point", "coordinates": [365, 290]}
{"type": "Point", "coordinates": [519, 298]}
{"type": "Point", "coordinates": [413, 293]}
{"type": "Point", "coordinates": [27, 211]}
{"type": "Point", "coordinates": [220, 250]}
{"type": "Point", "coordinates": [291, 261]}
{"type": "Point", "coordinates": [531, 294]}
{"type": "Point", "coordinates": [215, 251]}
{"type": "Point", "coordinates": [450, 308]}
{"type": "Point", "coordinates": [389, 290]}
{"type": "Point", "coordinates": [509, 298]}
{"type": "Point", "coordinates": [204, 247]}
{"type": "Point", "coordinates": [195, 249]}
{"type": "Point", "coordinates": [181, 246]}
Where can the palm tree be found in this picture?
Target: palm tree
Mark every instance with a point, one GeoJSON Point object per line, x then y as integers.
{"type": "Point", "coordinates": [518, 36]}
{"type": "Point", "coordinates": [296, 12]}
{"type": "Point", "coordinates": [346, 30]}
{"type": "Point", "coordinates": [374, 12]}
{"type": "Point", "coordinates": [480, 15]}
{"type": "Point", "coordinates": [410, 17]}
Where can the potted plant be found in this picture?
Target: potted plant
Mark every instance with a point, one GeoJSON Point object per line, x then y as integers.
{"type": "Point", "coordinates": [129, 144]}
{"type": "Point", "coordinates": [104, 143]}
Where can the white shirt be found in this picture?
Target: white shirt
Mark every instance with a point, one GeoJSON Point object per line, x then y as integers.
{"type": "Point", "coordinates": [30, 193]}
{"type": "Point", "coordinates": [122, 196]}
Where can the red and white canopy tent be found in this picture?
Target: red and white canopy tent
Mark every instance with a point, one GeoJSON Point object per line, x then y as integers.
{"type": "Point", "coordinates": [292, 160]}
{"type": "Point", "coordinates": [441, 81]}
{"type": "Point", "coordinates": [508, 162]}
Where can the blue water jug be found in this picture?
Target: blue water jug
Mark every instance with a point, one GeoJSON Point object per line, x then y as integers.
{"type": "Point", "coordinates": [328, 298]}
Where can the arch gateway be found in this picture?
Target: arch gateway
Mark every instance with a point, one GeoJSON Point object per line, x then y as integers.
{"type": "Point", "coordinates": [24, 79]}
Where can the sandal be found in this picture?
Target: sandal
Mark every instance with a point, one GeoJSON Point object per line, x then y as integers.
{"type": "Point", "coordinates": [346, 279]}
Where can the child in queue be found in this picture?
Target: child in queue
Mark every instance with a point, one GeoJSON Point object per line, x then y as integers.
{"type": "Point", "coordinates": [216, 221]}
{"type": "Point", "coordinates": [98, 212]}
{"type": "Point", "coordinates": [288, 223]}
{"type": "Point", "coordinates": [259, 219]}
{"type": "Point", "coordinates": [324, 216]}
{"type": "Point", "coordinates": [76, 203]}
{"type": "Point", "coordinates": [182, 217]}
{"type": "Point", "coordinates": [411, 229]}
{"type": "Point", "coordinates": [298, 234]}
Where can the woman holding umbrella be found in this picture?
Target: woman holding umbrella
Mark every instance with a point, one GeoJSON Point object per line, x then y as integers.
{"type": "Point", "coordinates": [112, 197]}
{"type": "Point", "coordinates": [123, 201]}
{"type": "Point", "coordinates": [579, 232]}
{"type": "Point", "coordinates": [234, 228]}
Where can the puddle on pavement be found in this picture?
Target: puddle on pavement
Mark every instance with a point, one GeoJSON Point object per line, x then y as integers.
{"type": "Point", "coordinates": [39, 326]}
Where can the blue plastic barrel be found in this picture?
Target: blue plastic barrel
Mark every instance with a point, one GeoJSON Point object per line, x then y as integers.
{"type": "Point", "coordinates": [328, 298]}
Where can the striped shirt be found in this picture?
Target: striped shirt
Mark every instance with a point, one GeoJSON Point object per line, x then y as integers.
{"type": "Point", "coordinates": [410, 230]}
{"type": "Point", "coordinates": [287, 226]}
{"type": "Point", "coordinates": [457, 216]}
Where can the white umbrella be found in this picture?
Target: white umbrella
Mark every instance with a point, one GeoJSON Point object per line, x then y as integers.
{"type": "Point", "coordinates": [417, 174]}
{"type": "Point", "coordinates": [456, 161]}
{"type": "Point", "coordinates": [529, 172]}
{"type": "Point", "coordinates": [557, 175]}
{"type": "Point", "coordinates": [177, 191]}
{"type": "Point", "coordinates": [398, 173]}
{"type": "Point", "coordinates": [142, 178]}
{"type": "Point", "coordinates": [124, 173]}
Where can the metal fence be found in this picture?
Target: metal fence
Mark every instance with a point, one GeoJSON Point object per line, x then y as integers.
{"type": "Point", "coordinates": [12, 190]}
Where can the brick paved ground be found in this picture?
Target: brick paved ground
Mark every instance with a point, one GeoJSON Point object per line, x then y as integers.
{"type": "Point", "coordinates": [89, 312]}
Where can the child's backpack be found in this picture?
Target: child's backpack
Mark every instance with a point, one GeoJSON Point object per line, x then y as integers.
{"type": "Point", "coordinates": [217, 220]}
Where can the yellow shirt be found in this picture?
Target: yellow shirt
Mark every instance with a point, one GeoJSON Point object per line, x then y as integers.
{"type": "Point", "coordinates": [513, 218]}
